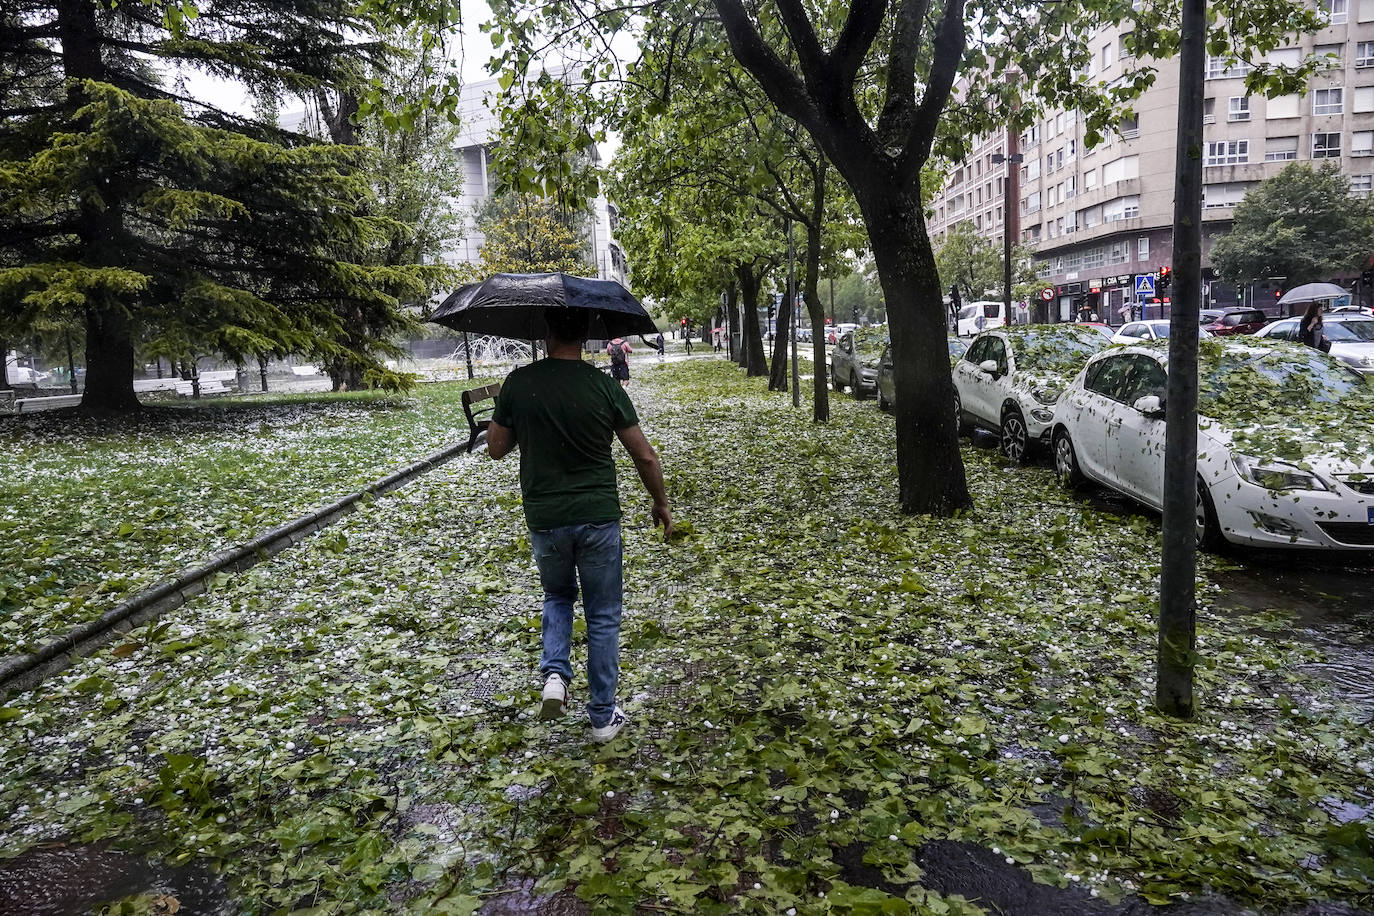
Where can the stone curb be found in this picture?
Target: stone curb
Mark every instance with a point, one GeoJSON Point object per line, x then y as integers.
{"type": "Point", "coordinates": [21, 672]}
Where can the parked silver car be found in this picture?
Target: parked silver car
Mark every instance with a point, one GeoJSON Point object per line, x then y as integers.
{"type": "Point", "coordinates": [1351, 335]}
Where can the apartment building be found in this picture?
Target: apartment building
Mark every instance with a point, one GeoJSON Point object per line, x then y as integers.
{"type": "Point", "coordinates": [1100, 217]}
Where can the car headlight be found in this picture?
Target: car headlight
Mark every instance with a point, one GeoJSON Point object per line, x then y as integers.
{"type": "Point", "coordinates": [1046, 394]}
{"type": "Point", "coordinates": [1276, 475]}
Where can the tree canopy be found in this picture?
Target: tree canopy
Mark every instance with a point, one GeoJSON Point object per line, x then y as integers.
{"type": "Point", "coordinates": [151, 220]}
{"type": "Point", "coordinates": [1302, 225]}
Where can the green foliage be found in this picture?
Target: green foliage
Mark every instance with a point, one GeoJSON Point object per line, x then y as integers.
{"type": "Point", "coordinates": [525, 234]}
{"type": "Point", "coordinates": [819, 686]}
{"type": "Point", "coordinates": [1302, 225]}
{"type": "Point", "coordinates": [971, 261]}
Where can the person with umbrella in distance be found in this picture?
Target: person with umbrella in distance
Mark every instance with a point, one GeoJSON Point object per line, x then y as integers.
{"type": "Point", "coordinates": [562, 414]}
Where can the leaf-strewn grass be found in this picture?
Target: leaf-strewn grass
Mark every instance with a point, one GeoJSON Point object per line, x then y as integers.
{"type": "Point", "coordinates": [91, 510]}
{"type": "Point", "coordinates": [819, 688]}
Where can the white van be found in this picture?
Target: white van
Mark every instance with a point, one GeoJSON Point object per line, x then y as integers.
{"type": "Point", "coordinates": [981, 316]}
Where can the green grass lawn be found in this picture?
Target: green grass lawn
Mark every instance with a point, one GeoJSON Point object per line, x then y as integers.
{"type": "Point", "coordinates": [820, 688]}
{"type": "Point", "coordinates": [92, 510]}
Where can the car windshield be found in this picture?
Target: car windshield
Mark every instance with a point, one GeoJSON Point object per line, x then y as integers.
{"type": "Point", "coordinates": [957, 347]}
{"type": "Point", "coordinates": [1352, 331]}
{"type": "Point", "coordinates": [1060, 350]}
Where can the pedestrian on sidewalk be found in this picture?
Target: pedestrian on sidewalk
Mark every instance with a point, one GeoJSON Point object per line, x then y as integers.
{"type": "Point", "coordinates": [562, 414]}
{"type": "Point", "coordinates": [619, 352]}
{"type": "Point", "coordinates": [658, 342]}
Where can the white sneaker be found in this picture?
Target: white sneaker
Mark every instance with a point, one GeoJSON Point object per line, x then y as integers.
{"type": "Point", "coordinates": [612, 728]}
{"type": "Point", "coordinates": [555, 696]}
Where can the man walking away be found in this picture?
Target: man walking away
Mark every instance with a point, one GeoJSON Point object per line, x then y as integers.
{"type": "Point", "coordinates": [563, 413]}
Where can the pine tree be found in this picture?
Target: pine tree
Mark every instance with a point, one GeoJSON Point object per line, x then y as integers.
{"type": "Point", "coordinates": [153, 219]}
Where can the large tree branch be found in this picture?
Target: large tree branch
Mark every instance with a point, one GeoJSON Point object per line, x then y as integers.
{"type": "Point", "coordinates": [900, 106]}
{"type": "Point", "coordinates": [860, 29]}
{"type": "Point", "coordinates": [782, 86]}
{"type": "Point", "coordinates": [950, 41]}
{"type": "Point", "coordinates": [810, 56]}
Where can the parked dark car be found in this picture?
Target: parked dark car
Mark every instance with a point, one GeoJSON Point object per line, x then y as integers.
{"type": "Point", "coordinates": [887, 386]}
{"type": "Point", "coordinates": [854, 361]}
{"type": "Point", "coordinates": [1224, 322]}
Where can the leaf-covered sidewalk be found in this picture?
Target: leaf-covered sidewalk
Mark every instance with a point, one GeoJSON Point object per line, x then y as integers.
{"type": "Point", "coordinates": [824, 693]}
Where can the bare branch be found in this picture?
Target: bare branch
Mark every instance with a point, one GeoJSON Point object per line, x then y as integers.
{"type": "Point", "coordinates": [950, 40]}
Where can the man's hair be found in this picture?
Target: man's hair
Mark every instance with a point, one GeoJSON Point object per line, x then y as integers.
{"type": "Point", "coordinates": [566, 325]}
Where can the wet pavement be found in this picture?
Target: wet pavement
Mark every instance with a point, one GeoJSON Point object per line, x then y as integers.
{"type": "Point", "coordinates": [60, 879]}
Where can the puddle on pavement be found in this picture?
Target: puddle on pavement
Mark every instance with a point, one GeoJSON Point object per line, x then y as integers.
{"type": "Point", "coordinates": [1331, 606]}
{"type": "Point", "coordinates": [70, 880]}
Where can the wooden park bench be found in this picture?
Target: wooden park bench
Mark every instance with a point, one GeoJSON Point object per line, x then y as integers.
{"type": "Point", "coordinates": [478, 412]}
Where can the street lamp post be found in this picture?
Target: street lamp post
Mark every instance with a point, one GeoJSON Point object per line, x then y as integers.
{"type": "Point", "coordinates": [1012, 159]}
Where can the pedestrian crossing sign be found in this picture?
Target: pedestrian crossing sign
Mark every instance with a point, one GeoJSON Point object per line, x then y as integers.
{"type": "Point", "coordinates": [1144, 284]}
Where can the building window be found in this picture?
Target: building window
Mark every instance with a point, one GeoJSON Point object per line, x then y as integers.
{"type": "Point", "coordinates": [1280, 149]}
{"type": "Point", "coordinates": [1121, 169]}
{"type": "Point", "coordinates": [1284, 57]}
{"type": "Point", "coordinates": [1222, 68]}
{"type": "Point", "coordinates": [1239, 109]}
{"type": "Point", "coordinates": [1336, 10]}
{"type": "Point", "coordinates": [1336, 51]}
{"type": "Point", "coordinates": [1223, 195]}
{"type": "Point", "coordinates": [1209, 111]}
{"type": "Point", "coordinates": [1366, 8]}
{"type": "Point", "coordinates": [1089, 179]}
{"type": "Point", "coordinates": [1069, 185]}
{"type": "Point", "coordinates": [1032, 203]}
{"type": "Point", "coordinates": [1326, 146]}
{"type": "Point", "coordinates": [1130, 127]}
{"type": "Point", "coordinates": [1360, 185]}
{"type": "Point", "coordinates": [1127, 39]}
{"type": "Point", "coordinates": [1362, 143]}
{"type": "Point", "coordinates": [1142, 247]}
{"type": "Point", "coordinates": [1108, 55]}
{"type": "Point", "coordinates": [1227, 152]}
{"type": "Point", "coordinates": [1121, 208]}
{"type": "Point", "coordinates": [1284, 106]}
{"type": "Point", "coordinates": [1363, 100]}
{"type": "Point", "coordinates": [1328, 101]}
{"type": "Point", "coordinates": [1364, 53]}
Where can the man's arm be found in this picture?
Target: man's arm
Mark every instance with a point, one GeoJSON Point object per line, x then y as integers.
{"type": "Point", "coordinates": [500, 440]}
{"type": "Point", "coordinates": [650, 472]}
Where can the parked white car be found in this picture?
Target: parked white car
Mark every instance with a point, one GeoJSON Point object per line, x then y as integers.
{"type": "Point", "coordinates": [1154, 329]}
{"type": "Point", "coordinates": [1285, 441]}
{"type": "Point", "coordinates": [1351, 335]}
{"type": "Point", "coordinates": [1008, 380]}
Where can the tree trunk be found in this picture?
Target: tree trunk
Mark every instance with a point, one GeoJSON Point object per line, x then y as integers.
{"type": "Point", "coordinates": [109, 361]}
{"type": "Point", "coordinates": [5, 364]}
{"type": "Point", "coordinates": [930, 469]}
{"type": "Point", "coordinates": [109, 340]}
{"type": "Point", "coordinates": [820, 389]}
{"type": "Point", "coordinates": [732, 319]}
{"type": "Point", "coordinates": [777, 375]}
{"type": "Point", "coordinates": [755, 363]}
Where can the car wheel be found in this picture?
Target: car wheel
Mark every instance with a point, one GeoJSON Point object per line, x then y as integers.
{"type": "Point", "coordinates": [1066, 469]}
{"type": "Point", "coordinates": [883, 403]}
{"type": "Point", "coordinates": [855, 388]}
{"type": "Point", "coordinates": [961, 426]}
{"type": "Point", "coordinates": [1206, 528]}
{"type": "Point", "coordinates": [1015, 436]}
{"type": "Point", "coordinates": [835, 381]}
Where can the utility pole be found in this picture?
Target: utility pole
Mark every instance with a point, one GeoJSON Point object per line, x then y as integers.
{"type": "Point", "coordinates": [1183, 498]}
{"type": "Point", "coordinates": [1012, 159]}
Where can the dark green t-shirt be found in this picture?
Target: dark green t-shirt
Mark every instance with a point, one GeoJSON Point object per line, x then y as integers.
{"type": "Point", "coordinates": [565, 413]}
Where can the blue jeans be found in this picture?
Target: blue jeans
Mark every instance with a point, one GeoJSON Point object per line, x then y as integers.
{"type": "Point", "coordinates": [589, 555]}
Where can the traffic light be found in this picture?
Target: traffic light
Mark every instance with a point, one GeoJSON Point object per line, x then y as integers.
{"type": "Point", "coordinates": [856, 314]}
{"type": "Point", "coordinates": [1166, 276]}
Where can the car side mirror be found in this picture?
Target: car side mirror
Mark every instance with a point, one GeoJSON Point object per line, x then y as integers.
{"type": "Point", "coordinates": [1151, 406]}
{"type": "Point", "coordinates": [988, 367]}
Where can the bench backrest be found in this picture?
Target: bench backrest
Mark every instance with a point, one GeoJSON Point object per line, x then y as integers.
{"type": "Point", "coordinates": [475, 396]}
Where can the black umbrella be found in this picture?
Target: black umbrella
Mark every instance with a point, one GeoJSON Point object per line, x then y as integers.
{"type": "Point", "coordinates": [512, 305]}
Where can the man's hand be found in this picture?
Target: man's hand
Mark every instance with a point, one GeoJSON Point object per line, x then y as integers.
{"type": "Point", "coordinates": [663, 515]}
